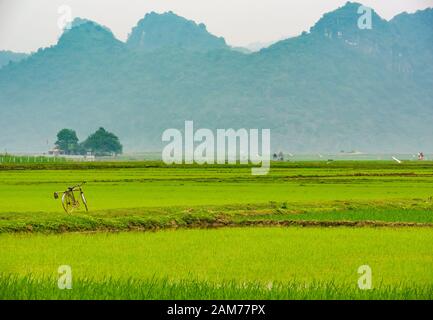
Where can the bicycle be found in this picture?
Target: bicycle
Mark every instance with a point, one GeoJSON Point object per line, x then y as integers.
{"type": "Point", "coordinates": [69, 201]}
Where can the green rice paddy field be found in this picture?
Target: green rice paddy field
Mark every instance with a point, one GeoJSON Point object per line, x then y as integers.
{"type": "Point", "coordinates": [217, 232]}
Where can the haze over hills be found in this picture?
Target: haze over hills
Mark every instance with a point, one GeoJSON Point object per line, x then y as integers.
{"type": "Point", "coordinates": [9, 56]}
{"type": "Point", "coordinates": [334, 88]}
{"type": "Point", "coordinates": [168, 30]}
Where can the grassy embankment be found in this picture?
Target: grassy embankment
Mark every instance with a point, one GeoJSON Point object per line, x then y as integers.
{"type": "Point", "coordinates": [150, 195]}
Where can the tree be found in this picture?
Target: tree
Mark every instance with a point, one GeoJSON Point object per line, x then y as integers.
{"type": "Point", "coordinates": [67, 141]}
{"type": "Point", "coordinates": [103, 142]}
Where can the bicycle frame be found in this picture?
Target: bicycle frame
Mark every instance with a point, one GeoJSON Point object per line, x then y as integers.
{"type": "Point", "coordinates": [69, 201]}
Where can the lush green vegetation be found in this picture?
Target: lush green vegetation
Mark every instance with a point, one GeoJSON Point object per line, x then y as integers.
{"type": "Point", "coordinates": [12, 160]}
{"type": "Point", "coordinates": [27, 287]}
{"type": "Point", "coordinates": [337, 213]}
{"type": "Point", "coordinates": [142, 195]}
{"type": "Point", "coordinates": [292, 258]}
{"type": "Point", "coordinates": [100, 143]}
{"type": "Point", "coordinates": [356, 198]}
{"type": "Point", "coordinates": [67, 141]}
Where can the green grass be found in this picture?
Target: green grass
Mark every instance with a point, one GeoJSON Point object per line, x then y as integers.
{"type": "Point", "coordinates": [370, 213]}
{"type": "Point", "coordinates": [7, 159]}
{"type": "Point", "coordinates": [36, 236]}
{"type": "Point", "coordinates": [150, 195]}
{"type": "Point", "coordinates": [334, 213]}
{"type": "Point", "coordinates": [31, 288]}
{"type": "Point", "coordinates": [400, 258]}
{"type": "Point", "coordinates": [124, 195]}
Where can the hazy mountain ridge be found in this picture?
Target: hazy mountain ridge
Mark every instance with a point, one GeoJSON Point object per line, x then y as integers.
{"type": "Point", "coordinates": [169, 30]}
{"type": "Point", "coordinates": [316, 93]}
{"type": "Point", "coordinates": [8, 56]}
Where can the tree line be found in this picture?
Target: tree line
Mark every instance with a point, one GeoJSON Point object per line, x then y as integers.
{"type": "Point", "coordinates": [100, 143]}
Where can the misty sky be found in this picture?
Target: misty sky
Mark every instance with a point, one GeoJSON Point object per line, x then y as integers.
{"type": "Point", "coordinates": [26, 25]}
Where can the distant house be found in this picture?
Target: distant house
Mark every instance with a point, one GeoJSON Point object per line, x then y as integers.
{"type": "Point", "coordinates": [55, 151]}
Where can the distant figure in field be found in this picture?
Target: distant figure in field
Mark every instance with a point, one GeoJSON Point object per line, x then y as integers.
{"type": "Point", "coordinates": [420, 156]}
{"type": "Point", "coordinates": [280, 156]}
{"type": "Point", "coordinates": [275, 157]}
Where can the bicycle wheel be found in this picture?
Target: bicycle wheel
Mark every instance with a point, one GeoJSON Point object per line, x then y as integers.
{"type": "Point", "coordinates": [84, 201]}
{"type": "Point", "coordinates": [68, 202]}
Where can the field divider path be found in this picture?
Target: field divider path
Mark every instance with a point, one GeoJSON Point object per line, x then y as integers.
{"type": "Point", "coordinates": [395, 213]}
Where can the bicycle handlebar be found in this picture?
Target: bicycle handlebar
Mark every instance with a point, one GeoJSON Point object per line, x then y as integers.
{"type": "Point", "coordinates": [72, 188]}
{"type": "Point", "coordinates": [78, 185]}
